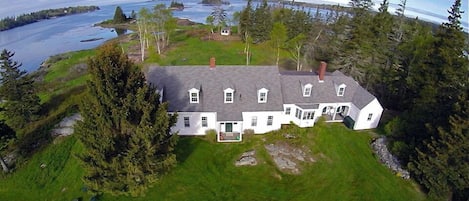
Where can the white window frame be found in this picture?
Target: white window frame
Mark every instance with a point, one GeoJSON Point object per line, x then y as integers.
{"type": "Point", "coordinates": [298, 113]}
{"type": "Point", "coordinates": [270, 120]}
{"type": "Point", "coordinates": [307, 90]}
{"type": "Point", "coordinates": [262, 95]}
{"type": "Point", "coordinates": [370, 116]}
{"type": "Point", "coordinates": [187, 122]}
{"type": "Point", "coordinates": [194, 95]}
{"type": "Point", "coordinates": [287, 110]}
{"type": "Point", "coordinates": [226, 92]}
{"type": "Point", "coordinates": [341, 89]}
{"type": "Point", "coordinates": [308, 115]}
{"type": "Point", "coordinates": [204, 122]}
{"type": "Point", "coordinates": [254, 121]}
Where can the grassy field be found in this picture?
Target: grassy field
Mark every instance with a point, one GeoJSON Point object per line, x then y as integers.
{"type": "Point", "coordinates": [345, 169]}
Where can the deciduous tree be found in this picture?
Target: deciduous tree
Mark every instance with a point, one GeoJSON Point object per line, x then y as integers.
{"type": "Point", "coordinates": [278, 37]}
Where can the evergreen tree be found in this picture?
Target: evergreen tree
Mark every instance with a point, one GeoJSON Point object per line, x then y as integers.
{"type": "Point", "coordinates": [443, 168]}
{"type": "Point", "coordinates": [133, 15]}
{"type": "Point", "coordinates": [246, 21]}
{"type": "Point", "coordinates": [262, 23]}
{"type": "Point", "coordinates": [119, 16]}
{"type": "Point", "coordinates": [219, 17]}
{"type": "Point", "coordinates": [444, 92]}
{"type": "Point", "coordinates": [6, 136]}
{"type": "Point", "coordinates": [22, 105]}
{"type": "Point", "coordinates": [125, 129]}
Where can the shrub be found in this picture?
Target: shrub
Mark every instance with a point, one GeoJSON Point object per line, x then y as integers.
{"type": "Point", "coordinates": [211, 135]}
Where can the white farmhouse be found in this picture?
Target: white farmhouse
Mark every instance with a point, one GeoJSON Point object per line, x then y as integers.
{"type": "Point", "coordinates": [231, 99]}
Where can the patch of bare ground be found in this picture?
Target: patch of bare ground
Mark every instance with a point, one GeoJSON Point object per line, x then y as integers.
{"type": "Point", "coordinates": [289, 158]}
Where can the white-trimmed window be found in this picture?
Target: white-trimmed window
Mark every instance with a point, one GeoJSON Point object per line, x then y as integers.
{"type": "Point", "coordinates": [194, 95]}
{"type": "Point", "coordinates": [370, 116]}
{"type": "Point", "coordinates": [160, 94]}
{"type": "Point", "coordinates": [287, 111]}
{"type": "Point", "coordinates": [187, 123]}
{"type": "Point", "coordinates": [204, 122]}
{"type": "Point", "coordinates": [308, 115]}
{"type": "Point", "coordinates": [298, 113]}
{"type": "Point", "coordinates": [254, 121]}
{"type": "Point", "coordinates": [229, 93]}
{"type": "Point", "coordinates": [307, 90]}
{"type": "Point", "coordinates": [270, 120]}
{"type": "Point", "coordinates": [262, 95]}
{"type": "Point", "coordinates": [341, 90]}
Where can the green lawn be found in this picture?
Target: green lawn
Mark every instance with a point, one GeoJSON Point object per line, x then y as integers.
{"type": "Point", "coordinates": [198, 52]}
{"type": "Point", "coordinates": [64, 75]}
{"type": "Point", "coordinates": [345, 169]}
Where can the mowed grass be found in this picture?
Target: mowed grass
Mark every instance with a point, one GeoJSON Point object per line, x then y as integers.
{"type": "Point", "coordinates": [194, 51]}
{"type": "Point", "coordinates": [345, 169]}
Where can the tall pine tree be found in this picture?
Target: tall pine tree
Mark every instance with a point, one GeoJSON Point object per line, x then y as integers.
{"type": "Point", "coordinates": [17, 89]}
{"type": "Point", "coordinates": [119, 16]}
{"type": "Point", "coordinates": [125, 129]}
{"type": "Point", "coordinates": [441, 161]}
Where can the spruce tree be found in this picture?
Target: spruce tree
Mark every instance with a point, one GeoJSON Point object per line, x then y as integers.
{"type": "Point", "coordinates": [22, 105]}
{"type": "Point", "coordinates": [246, 21]}
{"type": "Point", "coordinates": [125, 129]}
{"type": "Point", "coordinates": [444, 92]}
{"type": "Point", "coordinates": [6, 136]}
{"type": "Point", "coordinates": [442, 167]}
{"type": "Point", "coordinates": [119, 16]}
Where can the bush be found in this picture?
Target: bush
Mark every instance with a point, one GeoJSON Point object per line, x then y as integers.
{"type": "Point", "coordinates": [211, 135]}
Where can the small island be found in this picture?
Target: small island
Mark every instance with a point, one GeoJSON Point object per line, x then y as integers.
{"type": "Point", "coordinates": [175, 5]}
{"type": "Point", "coordinates": [215, 2]}
{"type": "Point", "coordinates": [24, 19]}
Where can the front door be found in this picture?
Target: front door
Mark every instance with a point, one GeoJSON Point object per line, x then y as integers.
{"type": "Point", "coordinates": [228, 127]}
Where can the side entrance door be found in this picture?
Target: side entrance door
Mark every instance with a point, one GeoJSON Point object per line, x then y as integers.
{"type": "Point", "coordinates": [228, 127]}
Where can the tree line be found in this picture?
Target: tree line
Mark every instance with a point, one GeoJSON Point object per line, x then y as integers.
{"type": "Point", "coordinates": [24, 19]}
{"type": "Point", "coordinates": [417, 70]}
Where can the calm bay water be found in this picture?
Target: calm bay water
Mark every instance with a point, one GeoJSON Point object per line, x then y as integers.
{"type": "Point", "coordinates": [36, 42]}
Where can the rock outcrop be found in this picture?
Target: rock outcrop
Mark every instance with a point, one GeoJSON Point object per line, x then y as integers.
{"type": "Point", "coordinates": [287, 158]}
{"type": "Point", "coordinates": [65, 127]}
{"type": "Point", "coordinates": [247, 158]}
{"type": "Point", "coordinates": [381, 150]}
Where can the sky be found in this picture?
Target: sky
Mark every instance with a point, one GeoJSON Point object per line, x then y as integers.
{"type": "Point", "coordinates": [430, 10]}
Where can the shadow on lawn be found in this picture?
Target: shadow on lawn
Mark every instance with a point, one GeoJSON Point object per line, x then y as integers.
{"type": "Point", "coordinates": [186, 145]}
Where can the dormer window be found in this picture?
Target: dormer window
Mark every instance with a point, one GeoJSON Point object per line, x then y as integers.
{"type": "Point", "coordinates": [340, 89]}
{"type": "Point", "coordinates": [160, 94]}
{"type": "Point", "coordinates": [229, 94]}
{"type": "Point", "coordinates": [194, 95]}
{"type": "Point", "coordinates": [307, 90]}
{"type": "Point", "coordinates": [262, 95]}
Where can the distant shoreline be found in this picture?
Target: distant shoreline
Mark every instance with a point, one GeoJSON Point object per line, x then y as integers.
{"type": "Point", "coordinates": [8, 23]}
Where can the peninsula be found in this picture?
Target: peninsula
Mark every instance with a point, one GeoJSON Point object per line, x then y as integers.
{"type": "Point", "coordinates": [24, 19]}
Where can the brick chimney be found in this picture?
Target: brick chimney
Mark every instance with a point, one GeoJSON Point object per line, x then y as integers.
{"type": "Point", "coordinates": [212, 63]}
{"type": "Point", "coordinates": [322, 71]}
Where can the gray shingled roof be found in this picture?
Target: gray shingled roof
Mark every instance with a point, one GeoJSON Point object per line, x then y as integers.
{"type": "Point", "coordinates": [245, 80]}
{"type": "Point", "coordinates": [322, 92]}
